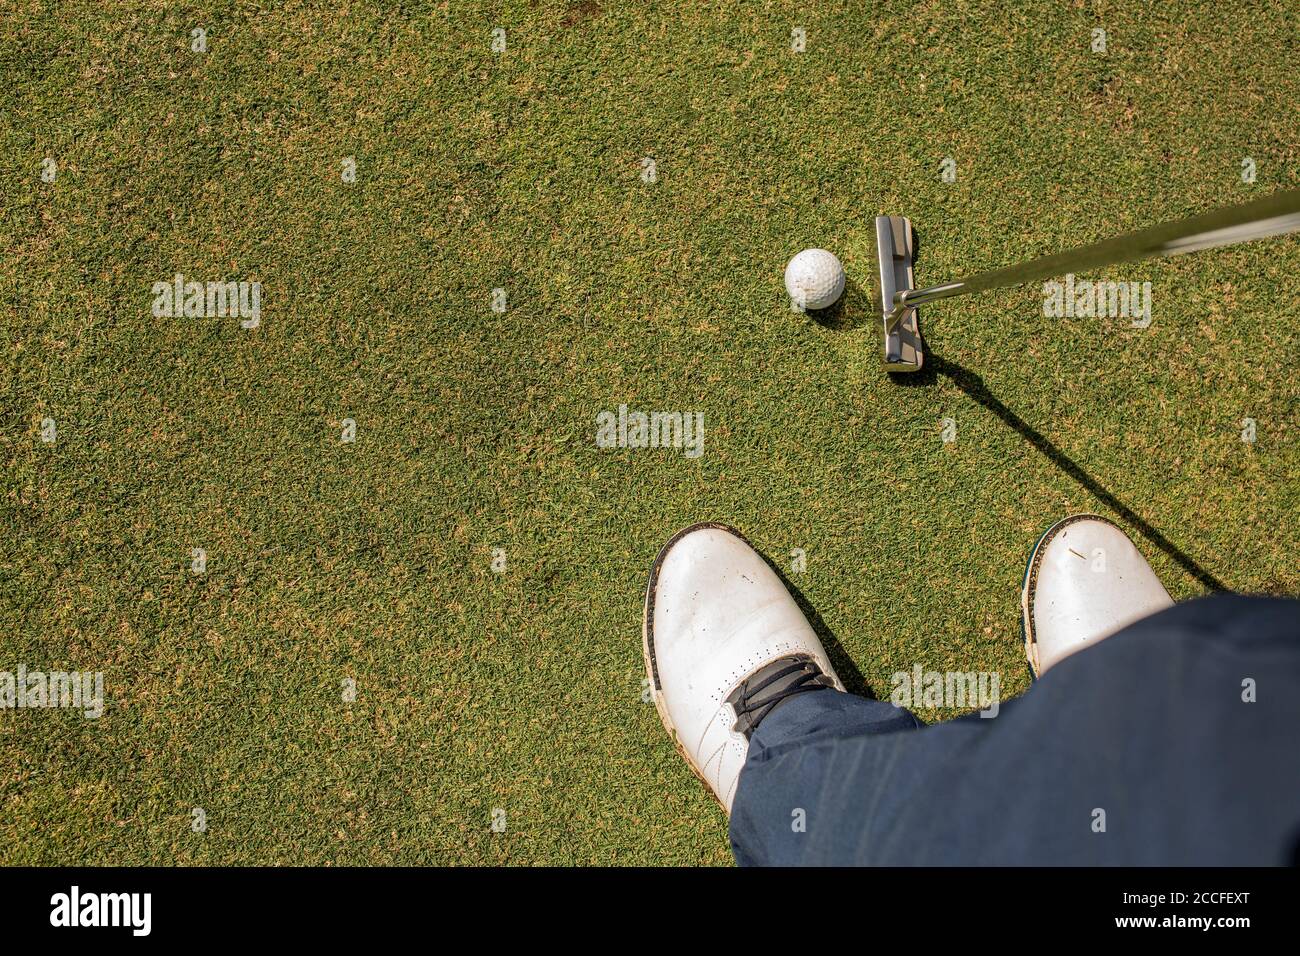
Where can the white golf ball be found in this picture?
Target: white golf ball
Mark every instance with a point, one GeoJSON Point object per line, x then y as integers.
{"type": "Point", "coordinates": [815, 279]}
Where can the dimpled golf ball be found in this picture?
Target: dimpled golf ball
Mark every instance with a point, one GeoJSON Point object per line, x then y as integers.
{"type": "Point", "coordinates": [815, 279]}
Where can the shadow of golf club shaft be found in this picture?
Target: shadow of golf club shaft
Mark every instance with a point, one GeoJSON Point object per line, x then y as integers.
{"type": "Point", "coordinates": [973, 385]}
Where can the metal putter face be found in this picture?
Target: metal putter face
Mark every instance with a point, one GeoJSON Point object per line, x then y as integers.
{"type": "Point", "coordinates": [904, 351]}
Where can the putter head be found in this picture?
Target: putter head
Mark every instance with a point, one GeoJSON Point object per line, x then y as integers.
{"type": "Point", "coordinates": [904, 350]}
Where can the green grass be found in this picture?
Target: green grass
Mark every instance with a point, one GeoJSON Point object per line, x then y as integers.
{"type": "Point", "coordinates": [476, 430]}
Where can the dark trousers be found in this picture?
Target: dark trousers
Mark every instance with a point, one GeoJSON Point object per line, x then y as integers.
{"type": "Point", "coordinates": [1176, 741]}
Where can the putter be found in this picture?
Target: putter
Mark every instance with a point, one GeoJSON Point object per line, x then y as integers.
{"type": "Point", "coordinates": [898, 298]}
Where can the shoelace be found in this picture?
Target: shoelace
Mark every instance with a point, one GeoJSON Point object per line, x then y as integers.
{"type": "Point", "coordinates": [752, 706]}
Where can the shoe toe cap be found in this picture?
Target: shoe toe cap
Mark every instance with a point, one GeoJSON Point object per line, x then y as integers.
{"type": "Point", "coordinates": [1089, 581]}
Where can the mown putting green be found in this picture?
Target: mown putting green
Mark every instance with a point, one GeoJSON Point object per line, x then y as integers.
{"type": "Point", "coordinates": [364, 569]}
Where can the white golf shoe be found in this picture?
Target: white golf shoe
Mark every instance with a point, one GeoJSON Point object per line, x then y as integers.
{"type": "Point", "coordinates": [724, 643]}
{"type": "Point", "coordinates": [1084, 582]}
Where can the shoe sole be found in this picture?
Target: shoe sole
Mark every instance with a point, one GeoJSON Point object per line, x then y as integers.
{"type": "Point", "coordinates": [647, 643]}
{"type": "Point", "coordinates": [1030, 583]}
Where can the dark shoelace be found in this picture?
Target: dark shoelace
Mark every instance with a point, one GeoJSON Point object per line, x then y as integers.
{"type": "Point", "coordinates": [753, 703]}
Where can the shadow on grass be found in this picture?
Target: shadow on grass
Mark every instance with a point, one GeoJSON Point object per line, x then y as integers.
{"type": "Point", "coordinates": [848, 672]}
{"type": "Point", "coordinates": [973, 385]}
{"type": "Point", "coordinates": [857, 308]}
{"type": "Point", "coordinates": [854, 308]}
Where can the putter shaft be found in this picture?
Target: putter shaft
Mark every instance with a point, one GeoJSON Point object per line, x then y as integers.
{"type": "Point", "coordinates": [1273, 215]}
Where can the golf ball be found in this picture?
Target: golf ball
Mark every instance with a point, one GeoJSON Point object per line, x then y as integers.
{"type": "Point", "coordinates": [815, 279]}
